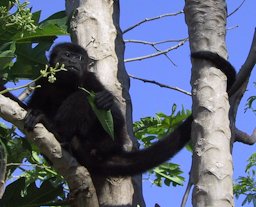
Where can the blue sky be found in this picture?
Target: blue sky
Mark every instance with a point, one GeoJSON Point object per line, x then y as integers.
{"type": "Point", "coordinates": [149, 99]}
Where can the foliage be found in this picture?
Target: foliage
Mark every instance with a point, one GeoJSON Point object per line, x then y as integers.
{"type": "Point", "coordinates": [24, 40]}
{"type": "Point", "coordinates": [20, 21]}
{"type": "Point", "coordinates": [16, 194]}
{"type": "Point", "coordinates": [150, 129]}
{"type": "Point", "coordinates": [247, 185]}
{"type": "Point", "coordinates": [250, 101]}
{"type": "Point", "coordinates": [24, 160]}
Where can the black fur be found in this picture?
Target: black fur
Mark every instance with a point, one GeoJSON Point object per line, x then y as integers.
{"type": "Point", "coordinates": [220, 63]}
{"type": "Point", "coordinates": [63, 108]}
{"type": "Point", "coordinates": [65, 111]}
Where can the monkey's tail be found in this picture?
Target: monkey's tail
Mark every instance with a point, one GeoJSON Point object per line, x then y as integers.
{"type": "Point", "coordinates": [220, 63]}
{"type": "Point", "coordinates": [132, 163]}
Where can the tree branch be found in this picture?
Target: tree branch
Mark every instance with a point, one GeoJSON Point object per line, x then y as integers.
{"type": "Point", "coordinates": [246, 69]}
{"type": "Point", "coordinates": [236, 9]}
{"type": "Point", "coordinates": [156, 54]}
{"type": "Point", "coordinates": [152, 19]}
{"type": "Point", "coordinates": [243, 137]}
{"type": "Point", "coordinates": [77, 177]}
{"type": "Point", "coordinates": [238, 90]}
{"type": "Point", "coordinates": [161, 85]}
{"type": "Point", "coordinates": [25, 93]}
{"type": "Point", "coordinates": [153, 44]}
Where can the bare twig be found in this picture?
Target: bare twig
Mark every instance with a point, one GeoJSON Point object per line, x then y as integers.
{"type": "Point", "coordinates": [186, 194]}
{"type": "Point", "coordinates": [153, 44]}
{"type": "Point", "coordinates": [161, 85]}
{"type": "Point", "coordinates": [152, 19]}
{"type": "Point", "coordinates": [158, 50]}
{"type": "Point", "coordinates": [246, 68]}
{"type": "Point", "coordinates": [156, 54]}
{"type": "Point", "coordinates": [236, 9]}
{"type": "Point", "coordinates": [28, 165]}
{"type": "Point", "coordinates": [233, 27]}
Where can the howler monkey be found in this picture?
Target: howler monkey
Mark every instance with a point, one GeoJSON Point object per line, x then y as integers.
{"type": "Point", "coordinates": [63, 108]}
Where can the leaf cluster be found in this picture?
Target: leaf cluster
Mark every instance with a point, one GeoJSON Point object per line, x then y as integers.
{"type": "Point", "coordinates": [28, 169]}
{"type": "Point", "coordinates": [250, 102]}
{"type": "Point", "coordinates": [246, 185]}
{"type": "Point", "coordinates": [149, 129]}
{"type": "Point", "coordinates": [24, 39]}
{"type": "Point", "coordinates": [18, 22]}
{"type": "Point", "coordinates": [46, 194]}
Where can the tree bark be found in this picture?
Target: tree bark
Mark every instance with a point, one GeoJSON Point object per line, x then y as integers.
{"type": "Point", "coordinates": [212, 166]}
{"type": "Point", "coordinates": [95, 26]}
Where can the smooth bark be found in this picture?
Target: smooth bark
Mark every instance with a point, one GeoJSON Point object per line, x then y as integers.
{"type": "Point", "coordinates": [212, 167]}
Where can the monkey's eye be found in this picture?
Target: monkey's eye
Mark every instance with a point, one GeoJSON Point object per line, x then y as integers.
{"type": "Point", "coordinates": [67, 54]}
{"type": "Point", "coordinates": [80, 57]}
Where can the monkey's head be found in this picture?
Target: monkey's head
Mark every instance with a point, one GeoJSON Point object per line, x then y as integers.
{"type": "Point", "coordinates": [75, 59]}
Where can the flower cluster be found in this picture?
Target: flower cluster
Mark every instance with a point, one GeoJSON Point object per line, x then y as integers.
{"type": "Point", "coordinates": [20, 20]}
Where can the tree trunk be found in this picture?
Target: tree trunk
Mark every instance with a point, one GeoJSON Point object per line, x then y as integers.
{"type": "Point", "coordinates": [95, 26]}
{"type": "Point", "coordinates": [212, 161]}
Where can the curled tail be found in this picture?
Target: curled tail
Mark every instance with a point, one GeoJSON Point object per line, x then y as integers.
{"type": "Point", "coordinates": [220, 63]}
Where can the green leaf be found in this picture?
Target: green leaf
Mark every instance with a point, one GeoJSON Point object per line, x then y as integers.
{"type": "Point", "coordinates": [104, 116]}
{"type": "Point", "coordinates": [16, 194]}
{"type": "Point", "coordinates": [30, 60]}
{"type": "Point", "coordinates": [7, 54]}
{"type": "Point", "coordinates": [174, 179]}
{"type": "Point", "coordinates": [169, 173]}
{"type": "Point", "coordinates": [12, 195]}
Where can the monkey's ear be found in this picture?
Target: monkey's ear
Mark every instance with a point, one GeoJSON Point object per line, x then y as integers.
{"type": "Point", "coordinates": [91, 65]}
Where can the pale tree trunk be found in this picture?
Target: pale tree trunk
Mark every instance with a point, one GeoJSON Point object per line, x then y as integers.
{"type": "Point", "coordinates": [95, 26]}
{"type": "Point", "coordinates": [212, 166]}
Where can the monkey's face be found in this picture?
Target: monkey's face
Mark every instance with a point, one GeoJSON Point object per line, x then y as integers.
{"type": "Point", "coordinates": [73, 62]}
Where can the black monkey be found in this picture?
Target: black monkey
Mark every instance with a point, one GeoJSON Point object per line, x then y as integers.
{"type": "Point", "coordinates": [64, 110]}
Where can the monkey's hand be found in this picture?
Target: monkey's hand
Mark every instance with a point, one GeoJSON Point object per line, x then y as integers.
{"type": "Point", "coordinates": [32, 118]}
{"type": "Point", "coordinates": [104, 100]}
